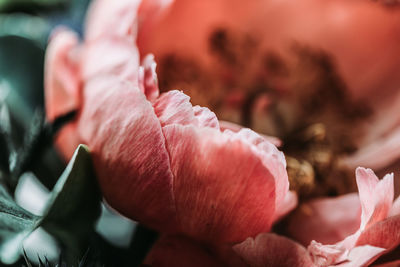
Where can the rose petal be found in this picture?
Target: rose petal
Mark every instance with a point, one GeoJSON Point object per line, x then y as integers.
{"type": "Point", "coordinates": [362, 256]}
{"type": "Point", "coordinates": [111, 56]}
{"type": "Point", "coordinates": [148, 82]}
{"type": "Point", "coordinates": [112, 18]}
{"type": "Point", "coordinates": [273, 250]}
{"type": "Point", "coordinates": [225, 191]}
{"type": "Point", "coordinates": [384, 234]}
{"type": "Point", "coordinates": [174, 107]}
{"type": "Point", "coordinates": [376, 196]}
{"type": "Point", "coordinates": [62, 74]}
{"type": "Point", "coordinates": [129, 151]}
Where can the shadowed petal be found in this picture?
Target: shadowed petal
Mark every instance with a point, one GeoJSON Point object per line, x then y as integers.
{"type": "Point", "coordinates": [273, 250]}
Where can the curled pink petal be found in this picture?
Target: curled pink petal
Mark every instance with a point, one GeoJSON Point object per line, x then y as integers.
{"type": "Point", "coordinates": [129, 151]}
{"type": "Point", "coordinates": [376, 196]}
{"type": "Point", "coordinates": [273, 250]}
{"type": "Point", "coordinates": [226, 125]}
{"type": "Point", "coordinates": [62, 77]}
{"type": "Point", "coordinates": [148, 82]}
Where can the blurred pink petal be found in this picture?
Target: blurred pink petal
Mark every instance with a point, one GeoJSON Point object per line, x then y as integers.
{"type": "Point", "coordinates": [112, 18]}
{"type": "Point", "coordinates": [326, 220]}
{"type": "Point", "coordinates": [62, 77]}
{"type": "Point", "coordinates": [273, 250]}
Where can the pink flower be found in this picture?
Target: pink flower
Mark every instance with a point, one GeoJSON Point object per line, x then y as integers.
{"type": "Point", "coordinates": [378, 231]}
{"type": "Point", "coordinates": [159, 160]}
{"type": "Point", "coordinates": [281, 66]}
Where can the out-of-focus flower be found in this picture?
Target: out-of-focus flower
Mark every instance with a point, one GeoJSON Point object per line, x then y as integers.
{"type": "Point", "coordinates": [159, 160]}
{"type": "Point", "coordinates": [378, 229]}
{"type": "Point", "coordinates": [281, 66]}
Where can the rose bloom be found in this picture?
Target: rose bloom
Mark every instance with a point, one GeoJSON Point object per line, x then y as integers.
{"type": "Point", "coordinates": [321, 75]}
{"type": "Point", "coordinates": [159, 160]}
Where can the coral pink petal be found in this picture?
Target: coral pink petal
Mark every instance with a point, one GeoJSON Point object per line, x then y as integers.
{"type": "Point", "coordinates": [129, 151]}
{"type": "Point", "coordinates": [271, 157]}
{"type": "Point", "coordinates": [62, 74]}
{"type": "Point", "coordinates": [174, 107]}
{"type": "Point", "coordinates": [273, 250]}
{"type": "Point", "coordinates": [395, 210]}
{"type": "Point", "coordinates": [112, 18]}
{"type": "Point", "coordinates": [339, 217]}
{"type": "Point", "coordinates": [224, 191]}
{"type": "Point", "coordinates": [384, 234]}
{"type": "Point", "coordinates": [148, 82]}
{"type": "Point", "coordinates": [226, 125]}
{"type": "Point", "coordinates": [326, 255]}
{"type": "Point", "coordinates": [362, 256]}
{"type": "Point", "coordinates": [179, 251]}
{"type": "Point", "coordinates": [376, 196]}
{"type": "Point", "coordinates": [112, 56]}
{"type": "Point", "coordinates": [287, 205]}
{"type": "Point", "coordinates": [67, 140]}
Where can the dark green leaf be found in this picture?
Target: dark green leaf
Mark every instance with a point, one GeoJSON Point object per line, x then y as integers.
{"type": "Point", "coordinates": [15, 224]}
{"type": "Point", "coordinates": [71, 212]}
{"type": "Point", "coordinates": [75, 204]}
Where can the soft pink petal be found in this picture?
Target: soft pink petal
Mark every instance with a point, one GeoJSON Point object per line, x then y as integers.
{"type": "Point", "coordinates": [129, 151]}
{"type": "Point", "coordinates": [177, 251]}
{"type": "Point", "coordinates": [224, 190]}
{"type": "Point", "coordinates": [395, 210]}
{"type": "Point", "coordinates": [112, 18]}
{"type": "Point", "coordinates": [362, 256]}
{"type": "Point", "coordinates": [380, 153]}
{"type": "Point", "coordinates": [62, 79]}
{"type": "Point", "coordinates": [327, 220]}
{"type": "Point", "coordinates": [325, 255]}
{"type": "Point", "coordinates": [273, 250]}
{"type": "Point", "coordinates": [384, 234]}
{"type": "Point", "coordinates": [174, 107]}
{"type": "Point", "coordinates": [226, 125]}
{"type": "Point", "coordinates": [111, 56]}
{"type": "Point", "coordinates": [287, 205]}
{"type": "Point", "coordinates": [376, 196]}
{"type": "Point", "coordinates": [148, 82]}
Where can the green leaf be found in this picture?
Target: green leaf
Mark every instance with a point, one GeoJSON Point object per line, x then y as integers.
{"type": "Point", "coordinates": [27, 26]}
{"type": "Point", "coordinates": [75, 204]}
{"type": "Point", "coordinates": [70, 216]}
{"type": "Point", "coordinates": [15, 224]}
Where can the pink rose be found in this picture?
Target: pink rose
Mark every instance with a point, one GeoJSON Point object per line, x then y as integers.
{"type": "Point", "coordinates": [159, 160]}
